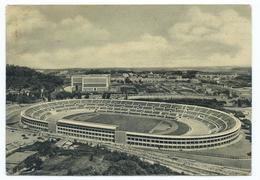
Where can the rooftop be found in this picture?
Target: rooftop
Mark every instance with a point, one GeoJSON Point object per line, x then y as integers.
{"type": "Point", "coordinates": [89, 124]}
{"type": "Point", "coordinates": [90, 75]}
{"type": "Point", "coordinates": [19, 157]}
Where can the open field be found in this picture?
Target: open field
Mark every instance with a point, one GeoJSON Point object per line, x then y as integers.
{"type": "Point", "coordinates": [133, 123]}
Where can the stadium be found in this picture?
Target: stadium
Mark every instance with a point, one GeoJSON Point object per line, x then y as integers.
{"type": "Point", "coordinates": [143, 124]}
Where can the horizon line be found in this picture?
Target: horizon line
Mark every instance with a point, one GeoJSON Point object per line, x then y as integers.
{"type": "Point", "coordinates": [182, 67]}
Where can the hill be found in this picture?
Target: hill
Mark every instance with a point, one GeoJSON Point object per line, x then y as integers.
{"type": "Point", "coordinates": [23, 81]}
{"type": "Point", "coordinates": [23, 77]}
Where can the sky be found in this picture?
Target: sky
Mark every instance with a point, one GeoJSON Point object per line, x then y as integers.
{"type": "Point", "coordinates": [88, 36]}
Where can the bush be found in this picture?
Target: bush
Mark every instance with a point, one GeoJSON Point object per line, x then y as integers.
{"type": "Point", "coordinates": [33, 162]}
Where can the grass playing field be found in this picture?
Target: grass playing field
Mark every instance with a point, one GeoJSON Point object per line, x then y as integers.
{"type": "Point", "coordinates": [125, 122]}
{"type": "Point", "coordinates": [131, 123]}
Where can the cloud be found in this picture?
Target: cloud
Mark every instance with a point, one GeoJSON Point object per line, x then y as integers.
{"type": "Point", "coordinates": [225, 29]}
{"type": "Point", "coordinates": [200, 39]}
{"type": "Point", "coordinates": [205, 26]}
{"type": "Point", "coordinates": [147, 51]}
{"type": "Point", "coordinates": [21, 21]}
{"type": "Point", "coordinates": [79, 30]}
{"type": "Point", "coordinates": [28, 30]}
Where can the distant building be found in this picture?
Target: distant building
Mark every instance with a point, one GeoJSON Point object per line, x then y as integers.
{"type": "Point", "coordinates": [245, 92]}
{"type": "Point", "coordinates": [68, 89]}
{"type": "Point", "coordinates": [179, 77]}
{"type": "Point", "coordinates": [195, 81]}
{"type": "Point", "coordinates": [209, 91]}
{"type": "Point", "coordinates": [125, 75]}
{"type": "Point", "coordinates": [151, 80]}
{"type": "Point", "coordinates": [215, 75]}
{"type": "Point", "coordinates": [90, 83]}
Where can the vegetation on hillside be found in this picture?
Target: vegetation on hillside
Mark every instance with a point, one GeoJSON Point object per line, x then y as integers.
{"type": "Point", "coordinates": [88, 160]}
{"type": "Point", "coordinates": [24, 84]}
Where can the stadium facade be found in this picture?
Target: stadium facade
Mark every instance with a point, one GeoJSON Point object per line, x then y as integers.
{"type": "Point", "coordinates": [224, 128]}
{"type": "Point", "coordinates": [91, 82]}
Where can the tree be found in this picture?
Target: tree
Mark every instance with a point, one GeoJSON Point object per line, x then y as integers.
{"type": "Point", "coordinates": [69, 172]}
{"type": "Point", "coordinates": [128, 81]}
{"type": "Point", "coordinates": [63, 95]}
{"type": "Point", "coordinates": [86, 95]}
{"type": "Point", "coordinates": [33, 162]}
{"type": "Point", "coordinates": [77, 95]}
{"type": "Point", "coordinates": [106, 95]}
{"type": "Point", "coordinates": [91, 157]}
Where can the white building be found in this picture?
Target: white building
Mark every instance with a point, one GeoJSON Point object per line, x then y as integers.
{"type": "Point", "coordinates": [91, 83]}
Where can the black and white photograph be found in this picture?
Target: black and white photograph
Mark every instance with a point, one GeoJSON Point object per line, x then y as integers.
{"type": "Point", "coordinates": [128, 90]}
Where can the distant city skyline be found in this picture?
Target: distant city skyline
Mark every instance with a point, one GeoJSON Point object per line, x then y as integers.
{"type": "Point", "coordinates": [58, 37]}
